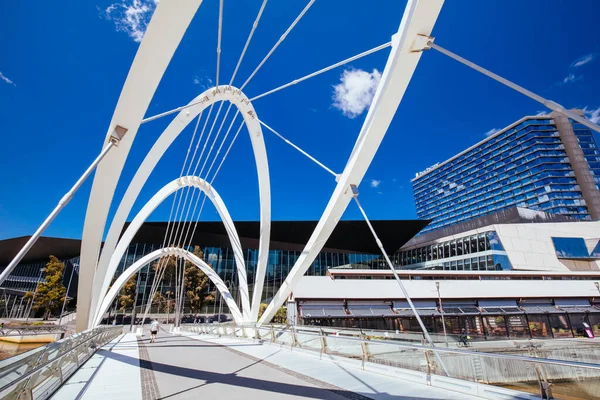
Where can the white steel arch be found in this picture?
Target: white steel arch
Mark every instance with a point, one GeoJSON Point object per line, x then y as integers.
{"type": "Point", "coordinates": [165, 252]}
{"type": "Point", "coordinates": [407, 45]}
{"type": "Point", "coordinates": [146, 211]}
{"type": "Point", "coordinates": [179, 123]}
{"type": "Point", "coordinates": [165, 30]}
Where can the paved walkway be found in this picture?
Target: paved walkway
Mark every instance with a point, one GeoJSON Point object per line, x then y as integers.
{"type": "Point", "coordinates": [182, 367]}
{"type": "Point", "coordinates": [112, 373]}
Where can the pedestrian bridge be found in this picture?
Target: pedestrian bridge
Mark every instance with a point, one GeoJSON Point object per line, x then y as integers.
{"type": "Point", "coordinates": [231, 361]}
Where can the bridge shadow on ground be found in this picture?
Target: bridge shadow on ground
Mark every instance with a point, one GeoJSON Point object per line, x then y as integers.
{"type": "Point", "coordinates": [201, 378]}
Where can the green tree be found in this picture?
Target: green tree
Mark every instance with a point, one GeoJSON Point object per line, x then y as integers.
{"type": "Point", "coordinates": [280, 316]}
{"type": "Point", "coordinates": [164, 302]}
{"type": "Point", "coordinates": [196, 284]}
{"type": "Point", "coordinates": [127, 295]}
{"type": "Point", "coordinates": [51, 293]}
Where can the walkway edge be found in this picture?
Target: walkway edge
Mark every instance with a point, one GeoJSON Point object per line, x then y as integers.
{"type": "Point", "coordinates": [456, 385]}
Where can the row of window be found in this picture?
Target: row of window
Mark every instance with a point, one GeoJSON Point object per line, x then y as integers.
{"type": "Point", "coordinates": [506, 164]}
{"type": "Point", "coordinates": [454, 248]}
{"type": "Point", "coordinates": [503, 171]}
{"type": "Point", "coordinates": [479, 327]}
{"type": "Point", "coordinates": [487, 148]}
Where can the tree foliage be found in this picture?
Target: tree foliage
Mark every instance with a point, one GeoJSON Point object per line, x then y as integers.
{"type": "Point", "coordinates": [51, 293]}
{"type": "Point", "coordinates": [127, 295]}
{"type": "Point", "coordinates": [280, 316]}
{"type": "Point", "coordinates": [196, 284]}
{"type": "Point", "coordinates": [165, 302]}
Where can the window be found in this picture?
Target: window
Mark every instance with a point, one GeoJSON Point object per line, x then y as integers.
{"type": "Point", "coordinates": [570, 248]}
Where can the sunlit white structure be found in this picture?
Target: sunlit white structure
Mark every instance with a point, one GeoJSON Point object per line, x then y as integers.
{"type": "Point", "coordinates": [163, 35]}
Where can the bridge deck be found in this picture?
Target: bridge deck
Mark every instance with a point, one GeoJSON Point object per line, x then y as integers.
{"type": "Point", "coordinates": [181, 367]}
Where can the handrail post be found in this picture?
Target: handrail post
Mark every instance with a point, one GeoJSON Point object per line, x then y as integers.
{"type": "Point", "coordinates": [545, 386]}
{"type": "Point", "coordinates": [428, 372]}
{"type": "Point", "coordinates": [365, 349]}
{"type": "Point", "coordinates": [323, 343]}
{"type": "Point", "coordinates": [272, 334]}
{"type": "Point", "coordinates": [295, 341]}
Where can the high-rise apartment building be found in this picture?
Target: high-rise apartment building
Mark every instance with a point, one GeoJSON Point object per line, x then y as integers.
{"type": "Point", "coordinates": [546, 163]}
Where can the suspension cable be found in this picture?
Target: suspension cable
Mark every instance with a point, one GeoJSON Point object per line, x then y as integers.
{"type": "Point", "coordinates": [162, 263]}
{"type": "Point", "coordinates": [389, 263]}
{"type": "Point", "coordinates": [187, 190]}
{"type": "Point", "coordinates": [547, 103]}
{"type": "Point", "coordinates": [187, 209]}
{"type": "Point", "coordinates": [281, 39]}
{"type": "Point", "coordinates": [346, 61]}
{"type": "Point", "coordinates": [219, 41]}
{"type": "Point", "coordinates": [299, 149]}
{"type": "Point", "coordinates": [188, 239]}
{"type": "Point", "coordinates": [254, 26]}
{"type": "Point", "coordinates": [217, 172]}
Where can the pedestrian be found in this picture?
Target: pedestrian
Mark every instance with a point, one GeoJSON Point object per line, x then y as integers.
{"type": "Point", "coordinates": [154, 326]}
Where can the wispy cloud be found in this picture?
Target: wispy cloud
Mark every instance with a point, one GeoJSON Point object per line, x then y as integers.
{"type": "Point", "coordinates": [5, 79]}
{"type": "Point", "coordinates": [541, 113]}
{"type": "Point", "coordinates": [592, 115]}
{"type": "Point", "coordinates": [204, 82]}
{"type": "Point", "coordinates": [355, 92]}
{"type": "Point", "coordinates": [583, 60]}
{"type": "Point", "coordinates": [131, 16]}
{"type": "Point", "coordinates": [375, 183]}
{"type": "Point", "coordinates": [491, 132]}
{"type": "Point", "coordinates": [571, 78]}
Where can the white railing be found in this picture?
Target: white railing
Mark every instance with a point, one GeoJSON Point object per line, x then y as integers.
{"type": "Point", "coordinates": [550, 378]}
{"type": "Point", "coordinates": [38, 373]}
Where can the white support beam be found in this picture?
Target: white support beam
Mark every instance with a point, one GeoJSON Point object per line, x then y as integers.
{"type": "Point", "coordinates": [165, 31]}
{"type": "Point", "coordinates": [419, 19]}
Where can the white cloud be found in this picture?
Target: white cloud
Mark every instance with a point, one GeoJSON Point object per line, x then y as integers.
{"type": "Point", "coordinates": [571, 78]}
{"type": "Point", "coordinates": [131, 16]}
{"type": "Point", "coordinates": [583, 60]}
{"type": "Point", "coordinates": [204, 82]}
{"type": "Point", "coordinates": [491, 132]}
{"type": "Point", "coordinates": [375, 183]}
{"type": "Point", "coordinates": [592, 115]}
{"type": "Point", "coordinates": [541, 113]}
{"type": "Point", "coordinates": [5, 79]}
{"type": "Point", "coordinates": [355, 92]}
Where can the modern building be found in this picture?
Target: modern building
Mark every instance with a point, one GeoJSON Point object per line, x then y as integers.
{"type": "Point", "coordinates": [351, 243]}
{"type": "Point", "coordinates": [514, 273]}
{"type": "Point", "coordinates": [488, 304]}
{"type": "Point", "coordinates": [546, 163]}
{"type": "Point", "coordinates": [507, 240]}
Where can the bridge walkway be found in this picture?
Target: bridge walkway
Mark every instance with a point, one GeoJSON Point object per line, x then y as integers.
{"type": "Point", "coordinates": [185, 367]}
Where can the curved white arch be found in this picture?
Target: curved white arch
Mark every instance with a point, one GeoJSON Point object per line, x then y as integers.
{"type": "Point", "coordinates": [208, 97]}
{"type": "Point", "coordinates": [168, 251]}
{"type": "Point", "coordinates": [417, 23]}
{"type": "Point", "coordinates": [150, 206]}
{"type": "Point", "coordinates": [163, 34]}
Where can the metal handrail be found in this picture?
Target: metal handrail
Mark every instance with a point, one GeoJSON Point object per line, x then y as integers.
{"type": "Point", "coordinates": [53, 360]}
{"type": "Point", "coordinates": [548, 361]}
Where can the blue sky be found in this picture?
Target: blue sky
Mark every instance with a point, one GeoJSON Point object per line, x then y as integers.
{"type": "Point", "coordinates": [62, 69]}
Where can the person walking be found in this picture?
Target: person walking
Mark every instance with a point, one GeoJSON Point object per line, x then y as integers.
{"type": "Point", "coordinates": [154, 326]}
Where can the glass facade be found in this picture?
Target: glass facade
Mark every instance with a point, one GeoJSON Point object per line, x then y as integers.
{"type": "Point", "coordinates": [481, 252]}
{"type": "Point", "coordinates": [222, 260]}
{"type": "Point", "coordinates": [589, 146]}
{"type": "Point", "coordinates": [525, 166]}
{"type": "Point", "coordinates": [25, 277]}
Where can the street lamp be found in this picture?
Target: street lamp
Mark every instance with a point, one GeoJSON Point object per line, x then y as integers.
{"type": "Point", "coordinates": [437, 286]}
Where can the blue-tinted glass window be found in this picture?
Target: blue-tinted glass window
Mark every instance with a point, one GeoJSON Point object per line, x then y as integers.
{"type": "Point", "coordinates": [570, 248]}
